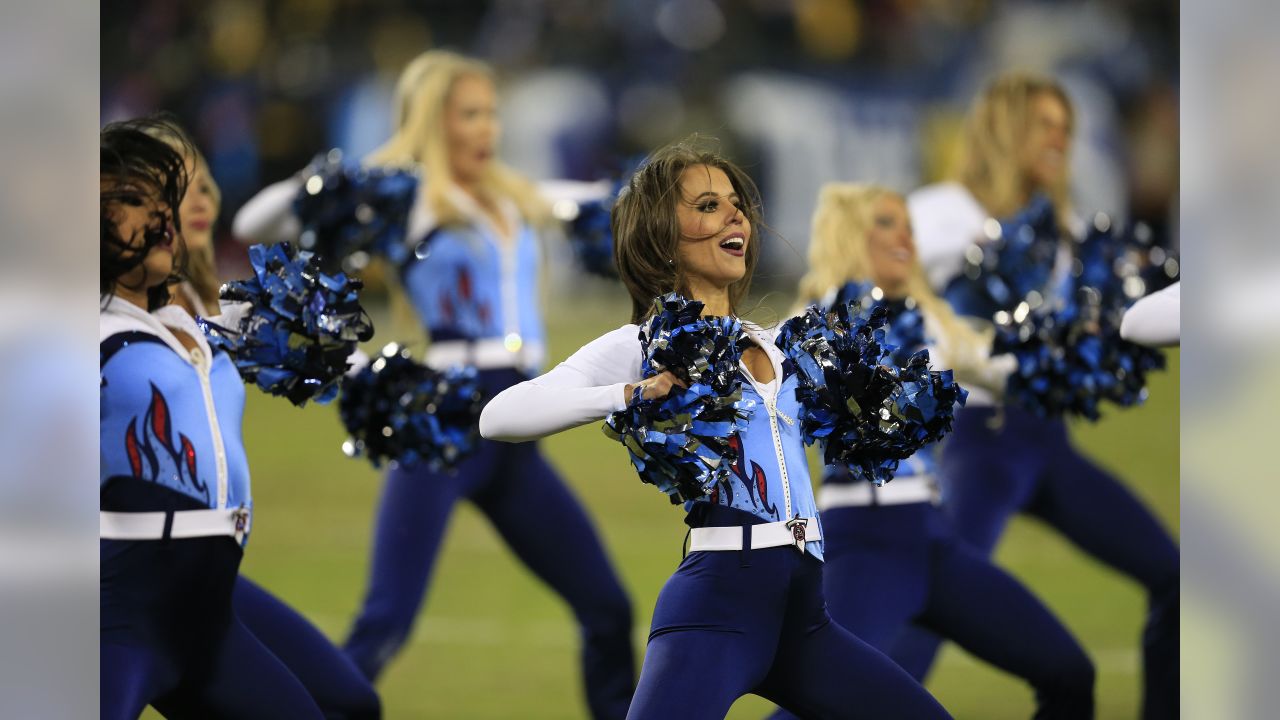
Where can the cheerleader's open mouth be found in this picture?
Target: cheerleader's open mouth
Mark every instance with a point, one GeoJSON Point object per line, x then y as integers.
{"type": "Point", "coordinates": [160, 238]}
{"type": "Point", "coordinates": [735, 244]}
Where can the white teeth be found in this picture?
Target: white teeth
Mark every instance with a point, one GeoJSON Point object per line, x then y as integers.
{"type": "Point", "coordinates": [732, 244]}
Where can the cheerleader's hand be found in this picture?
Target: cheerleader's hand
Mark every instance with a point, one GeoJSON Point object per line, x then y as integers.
{"type": "Point", "coordinates": [656, 387]}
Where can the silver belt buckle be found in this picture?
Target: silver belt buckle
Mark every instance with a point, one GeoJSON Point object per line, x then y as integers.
{"type": "Point", "coordinates": [797, 527]}
{"type": "Point", "coordinates": [241, 515]}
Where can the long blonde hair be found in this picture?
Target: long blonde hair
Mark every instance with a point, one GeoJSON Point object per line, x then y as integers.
{"type": "Point", "coordinates": [418, 141]}
{"type": "Point", "coordinates": [995, 133]}
{"type": "Point", "coordinates": [422, 93]}
{"type": "Point", "coordinates": [838, 254]}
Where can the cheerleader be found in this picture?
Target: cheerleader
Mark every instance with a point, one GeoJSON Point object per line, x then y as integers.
{"type": "Point", "coordinates": [174, 486]}
{"type": "Point", "coordinates": [334, 682]}
{"type": "Point", "coordinates": [744, 612]}
{"type": "Point", "coordinates": [1001, 460]}
{"type": "Point", "coordinates": [473, 284]}
{"type": "Point", "coordinates": [892, 558]}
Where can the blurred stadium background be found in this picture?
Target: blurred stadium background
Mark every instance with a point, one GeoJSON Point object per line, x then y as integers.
{"type": "Point", "coordinates": [801, 92]}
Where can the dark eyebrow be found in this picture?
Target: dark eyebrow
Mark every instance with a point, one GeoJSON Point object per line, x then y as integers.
{"type": "Point", "coordinates": [716, 195]}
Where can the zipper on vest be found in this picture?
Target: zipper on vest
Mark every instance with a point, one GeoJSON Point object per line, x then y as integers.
{"type": "Point", "coordinates": [203, 368]}
{"type": "Point", "coordinates": [507, 254]}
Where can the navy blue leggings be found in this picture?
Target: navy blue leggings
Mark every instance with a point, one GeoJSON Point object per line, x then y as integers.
{"type": "Point", "coordinates": [333, 681]}
{"type": "Point", "coordinates": [732, 623]}
{"type": "Point", "coordinates": [993, 467]}
{"type": "Point", "coordinates": [545, 527]}
{"type": "Point", "coordinates": [893, 566]}
{"type": "Point", "coordinates": [170, 639]}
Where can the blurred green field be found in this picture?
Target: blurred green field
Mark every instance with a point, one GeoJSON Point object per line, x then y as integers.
{"type": "Point", "coordinates": [492, 642]}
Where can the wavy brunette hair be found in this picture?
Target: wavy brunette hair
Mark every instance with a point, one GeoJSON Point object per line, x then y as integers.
{"type": "Point", "coordinates": [646, 230]}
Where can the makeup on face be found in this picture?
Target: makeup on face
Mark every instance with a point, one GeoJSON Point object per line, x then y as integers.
{"type": "Point", "coordinates": [1048, 140]}
{"type": "Point", "coordinates": [471, 127]}
{"type": "Point", "coordinates": [890, 245]}
{"type": "Point", "coordinates": [715, 234]}
{"type": "Point", "coordinates": [199, 210]}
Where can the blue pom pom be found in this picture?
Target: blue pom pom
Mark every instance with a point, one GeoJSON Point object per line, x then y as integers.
{"type": "Point", "coordinates": [591, 235]}
{"type": "Point", "coordinates": [1014, 263]}
{"type": "Point", "coordinates": [1069, 353]}
{"type": "Point", "coordinates": [866, 412]}
{"type": "Point", "coordinates": [682, 444]}
{"type": "Point", "coordinates": [400, 410]}
{"type": "Point", "coordinates": [350, 213]}
{"type": "Point", "coordinates": [695, 348]}
{"type": "Point", "coordinates": [904, 327]}
{"type": "Point", "coordinates": [590, 230]}
{"type": "Point", "coordinates": [1070, 356]}
{"type": "Point", "coordinates": [301, 327]}
{"type": "Point", "coordinates": [1122, 263]}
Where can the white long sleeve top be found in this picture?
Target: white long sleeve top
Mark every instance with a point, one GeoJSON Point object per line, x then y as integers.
{"type": "Point", "coordinates": [1155, 320]}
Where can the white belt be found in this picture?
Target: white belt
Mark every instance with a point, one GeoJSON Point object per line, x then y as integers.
{"type": "Point", "coordinates": [233, 522]}
{"type": "Point", "coordinates": [485, 354]}
{"type": "Point", "coordinates": [909, 489]}
{"type": "Point", "coordinates": [775, 534]}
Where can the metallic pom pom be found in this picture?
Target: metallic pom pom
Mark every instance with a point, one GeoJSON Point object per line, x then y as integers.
{"type": "Point", "coordinates": [1015, 262]}
{"type": "Point", "coordinates": [400, 410]}
{"type": "Point", "coordinates": [1070, 356]}
{"type": "Point", "coordinates": [866, 411]}
{"type": "Point", "coordinates": [681, 444]}
{"type": "Point", "coordinates": [590, 234]}
{"type": "Point", "coordinates": [350, 213]}
{"type": "Point", "coordinates": [302, 325]}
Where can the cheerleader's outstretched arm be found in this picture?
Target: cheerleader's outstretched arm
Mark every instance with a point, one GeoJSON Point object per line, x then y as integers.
{"type": "Point", "coordinates": [584, 388]}
{"type": "Point", "coordinates": [268, 216]}
{"type": "Point", "coordinates": [1155, 320]}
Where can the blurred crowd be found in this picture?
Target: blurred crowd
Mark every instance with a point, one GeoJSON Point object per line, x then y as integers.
{"type": "Point", "coordinates": [803, 91]}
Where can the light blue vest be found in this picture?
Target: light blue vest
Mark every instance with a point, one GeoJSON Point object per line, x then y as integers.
{"type": "Point", "coordinates": [771, 477]}
{"type": "Point", "coordinates": [466, 284]}
{"type": "Point", "coordinates": [156, 423]}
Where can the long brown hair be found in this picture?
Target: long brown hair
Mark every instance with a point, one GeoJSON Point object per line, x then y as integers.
{"type": "Point", "coordinates": [646, 230]}
{"type": "Point", "coordinates": [995, 134]}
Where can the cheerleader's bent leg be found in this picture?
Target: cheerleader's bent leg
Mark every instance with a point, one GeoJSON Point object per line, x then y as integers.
{"type": "Point", "coordinates": [244, 681]}
{"type": "Point", "coordinates": [412, 517]}
{"type": "Point", "coordinates": [332, 679]}
{"type": "Point", "coordinates": [714, 634]}
{"type": "Point", "coordinates": [987, 472]}
{"type": "Point", "coordinates": [1099, 514]}
{"type": "Point", "coordinates": [875, 577]}
{"type": "Point", "coordinates": [130, 677]}
{"type": "Point", "coordinates": [546, 527]}
{"type": "Point", "coordinates": [822, 670]}
{"type": "Point", "coordinates": [990, 614]}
